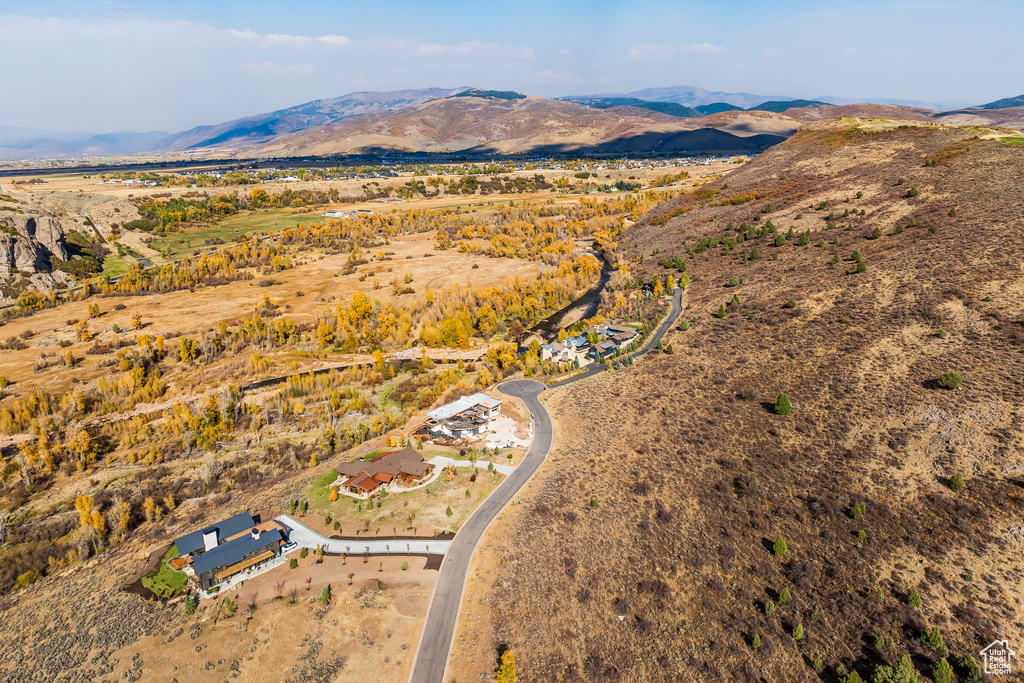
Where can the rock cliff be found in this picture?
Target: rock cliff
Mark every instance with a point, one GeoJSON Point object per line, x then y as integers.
{"type": "Point", "coordinates": [28, 242]}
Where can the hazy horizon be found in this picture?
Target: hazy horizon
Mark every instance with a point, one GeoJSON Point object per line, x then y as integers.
{"type": "Point", "coordinates": [172, 66]}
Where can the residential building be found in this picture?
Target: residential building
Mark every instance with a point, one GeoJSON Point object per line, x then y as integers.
{"type": "Point", "coordinates": [464, 418]}
{"type": "Point", "coordinates": [245, 553]}
{"type": "Point", "coordinates": [204, 540]}
{"type": "Point", "coordinates": [386, 472]}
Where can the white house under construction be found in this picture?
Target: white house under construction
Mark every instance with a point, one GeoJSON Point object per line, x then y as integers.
{"type": "Point", "coordinates": [464, 418]}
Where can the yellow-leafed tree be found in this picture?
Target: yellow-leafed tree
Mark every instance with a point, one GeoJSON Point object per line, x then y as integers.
{"type": "Point", "coordinates": [507, 671]}
{"type": "Point", "coordinates": [83, 503]}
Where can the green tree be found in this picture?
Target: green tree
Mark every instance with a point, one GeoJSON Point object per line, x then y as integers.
{"type": "Point", "coordinates": [448, 511]}
{"type": "Point", "coordinates": [784, 596]}
{"type": "Point", "coordinates": [853, 677]}
{"type": "Point", "coordinates": [798, 632]}
{"type": "Point", "coordinates": [325, 595]}
{"type": "Point", "coordinates": [914, 598]}
{"type": "Point", "coordinates": [942, 671]}
{"type": "Point", "coordinates": [782, 405]}
{"type": "Point", "coordinates": [956, 482]}
{"type": "Point", "coordinates": [970, 668]}
{"type": "Point", "coordinates": [769, 608]}
{"type": "Point", "coordinates": [756, 643]}
{"type": "Point", "coordinates": [190, 604]}
{"type": "Point", "coordinates": [779, 548]}
{"type": "Point", "coordinates": [950, 380]}
{"type": "Point", "coordinates": [721, 311]}
{"type": "Point", "coordinates": [903, 673]}
{"type": "Point", "coordinates": [858, 510]}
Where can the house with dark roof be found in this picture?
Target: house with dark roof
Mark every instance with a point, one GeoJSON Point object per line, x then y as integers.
{"type": "Point", "coordinates": [245, 553]}
{"type": "Point", "coordinates": [207, 539]}
{"type": "Point", "coordinates": [386, 472]}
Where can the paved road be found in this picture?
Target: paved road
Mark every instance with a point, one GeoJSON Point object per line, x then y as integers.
{"type": "Point", "coordinates": [673, 315]}
{"type": "Point", "coordinates": [443, 612]}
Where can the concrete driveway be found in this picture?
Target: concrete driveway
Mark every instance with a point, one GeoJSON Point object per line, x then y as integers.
{"type": "Point", "coordinates": [307, 538]}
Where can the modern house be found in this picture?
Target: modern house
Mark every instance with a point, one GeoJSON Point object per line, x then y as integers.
{"type": "Point", "coordinates": [205, 540]}
{"type": "Point", "coordinates": [245, 553]}
{"type": "Point", "coordinates": [385, 472]}
{"type": "Point", "coordinates": [464, 418]}
{"type": "Point", "coordinates": [602, 350]}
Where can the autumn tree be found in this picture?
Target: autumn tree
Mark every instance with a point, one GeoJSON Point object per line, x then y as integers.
{"type": "Point", "coordinates": [82, 447]}
{"type": "Point", "coordinates": [442, 241]}
{"type": "Point", "coordinates": [188, 349]}
{"type": "Point", "coordinates": [507, 670]}
{"type": "Point", "coordinates": [83, 503]}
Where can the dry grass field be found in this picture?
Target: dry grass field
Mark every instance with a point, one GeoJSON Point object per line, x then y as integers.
{"type": "Point", "coordinates": [644, 550]}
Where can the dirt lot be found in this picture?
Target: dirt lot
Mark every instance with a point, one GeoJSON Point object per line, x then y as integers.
{"type": "Point", "coordinates": [369, 630]}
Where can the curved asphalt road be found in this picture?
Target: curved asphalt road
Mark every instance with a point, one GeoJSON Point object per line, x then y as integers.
{"type": "Point", "coordinates": [443, 612]}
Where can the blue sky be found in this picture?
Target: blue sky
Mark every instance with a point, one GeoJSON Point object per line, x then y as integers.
{"type": "Point", "coordinates": [107, 66]}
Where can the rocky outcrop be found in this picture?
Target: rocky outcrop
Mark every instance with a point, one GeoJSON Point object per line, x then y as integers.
{"type": "Point", "coordinates": [28, 242]}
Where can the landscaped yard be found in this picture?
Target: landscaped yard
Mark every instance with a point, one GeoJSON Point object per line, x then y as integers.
{"type": "Point", "coordinates": [420, 512]}
{"type": "Point", "coordinates": [165, 582]}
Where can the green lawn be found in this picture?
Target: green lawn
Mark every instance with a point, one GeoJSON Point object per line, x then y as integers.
{"type": "Point", "coordinates": [321, 487]}
{"type": "Point", "coordinates": [1013, 142]}
{"type": "Point", "coordinates": [114, 265]}
{"type": "Point", "coordinates": [165, 582]}
{"type": "Point", "coordinates": [186, 241]}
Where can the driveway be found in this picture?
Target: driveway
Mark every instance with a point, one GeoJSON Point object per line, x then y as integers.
{"type": "Point", "coordinates": [307, 538]}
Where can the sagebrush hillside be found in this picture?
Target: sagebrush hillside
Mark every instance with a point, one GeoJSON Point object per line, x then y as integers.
{"type": "Point", "coordinates": [646, 547]}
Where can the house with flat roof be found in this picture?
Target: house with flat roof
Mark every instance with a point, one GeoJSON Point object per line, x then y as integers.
{"type": "Point", "coordinates": [204, 540]}
{"type": "Point", "coordinates": [386, 472]}
{"type": "Point", "coordinates": [248, 552]}
{"type": "Point", "coordinates": [464, 418]}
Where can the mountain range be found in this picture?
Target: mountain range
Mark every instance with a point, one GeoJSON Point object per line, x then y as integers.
{"type": "Point", "coordinates": [671, 120]}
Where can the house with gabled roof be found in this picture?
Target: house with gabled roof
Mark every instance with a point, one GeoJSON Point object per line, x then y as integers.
{"type": "Point", "coordinates": [205, 540]}
{"type": "Point", "coordinates": [385, 472]}
{"type": "Point", "coordinates": [248, 552]}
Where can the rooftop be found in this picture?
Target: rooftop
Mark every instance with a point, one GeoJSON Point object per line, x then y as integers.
{"type": "Point", "coordinates": [189, 543]}
{"type": "Point", "coordinates": [463, 404]}
{"type": "Point", "coordinates": [407, 460]}
{"type": "Point", "coordinates": [232, 552]}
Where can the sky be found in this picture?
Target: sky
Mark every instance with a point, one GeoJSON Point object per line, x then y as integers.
{"type": "Point", "coordinates": [155, 65]}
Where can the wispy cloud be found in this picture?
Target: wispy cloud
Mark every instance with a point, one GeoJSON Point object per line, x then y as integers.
{"type": "Point", "coordinates": [275, 69]}
{"type": "Point", "coordinates": [654, 51]}
{"type": "Point", "coordinates": [549, 76]}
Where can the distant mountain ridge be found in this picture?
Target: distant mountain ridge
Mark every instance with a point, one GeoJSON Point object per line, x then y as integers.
{"type": "Point", "coordinates": [483, 123]}
{"type": "Point", "coordinates": [1004, 103]}
{"type": "Point", "coordinates": [281, 128]}
{"type": "Point", "coordinates": [260, 128]}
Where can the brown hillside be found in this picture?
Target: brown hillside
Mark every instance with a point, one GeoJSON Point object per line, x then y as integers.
{"type": "Point", "coordinates": [532, 123]}
{"type": "Point", "coordinates": [642, 550]}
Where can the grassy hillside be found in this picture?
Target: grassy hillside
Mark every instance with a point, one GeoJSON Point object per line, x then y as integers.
{"type": "Point", "coordinates": [645, 550]}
